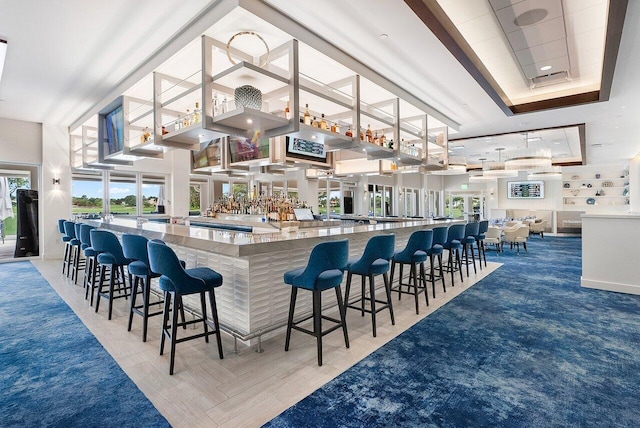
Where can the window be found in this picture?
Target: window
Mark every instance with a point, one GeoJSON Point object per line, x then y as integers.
{"type": "Point", "coordinates": [153, 194]}
{"type": "Point", "coordinates": [196, 196]}
{"type": "Point", "coordinates": [86, 194]}
{"type": "Point", "coordinates": [240, 190]}
{"type": "Point", "coordinates": [122, 194]}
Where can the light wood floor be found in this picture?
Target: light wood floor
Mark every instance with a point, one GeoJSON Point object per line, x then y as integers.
{"type": "Point", "coordinates": [245, 389]}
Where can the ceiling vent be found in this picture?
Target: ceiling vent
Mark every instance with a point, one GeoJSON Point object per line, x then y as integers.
{"type": "Point", "coordinates": [550, 79]}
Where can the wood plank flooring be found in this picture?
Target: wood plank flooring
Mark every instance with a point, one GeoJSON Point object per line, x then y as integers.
{"type": "Point", "coordinates": [245, 389]}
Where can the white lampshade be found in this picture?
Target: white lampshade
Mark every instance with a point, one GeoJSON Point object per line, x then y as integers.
{"type": "Point", "coordinates": [552, 173]}
{"type": "Point", "coordinates": [479, 177]}
{"type": "Point", "coordinates": [457, 165]}
{"type": "Point", "coordinates": [525, 159]}
{"type": "Point", "coordinates": [497, 170]}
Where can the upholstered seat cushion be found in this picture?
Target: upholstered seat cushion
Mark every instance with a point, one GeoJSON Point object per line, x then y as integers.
{"type": "Point", "coordinates": [66, 238]}
{"type": "Point", "coordinates": [435, 249]}
{"type": "Point", "coordinates": [139, 268]}
{"type": "Point", "coordinates": [90, 252]}
{"type": "Point", "coordinates": [328, 279]}
{"type": "Point", "coordinates": [109, 259]}
{"type": "Point", "coordinates": [453, 245]}
{"type": "Point", "coordinates": [210, 276]}
{"type": "Point", "coordinates": [75, 242]}
{"type": "Point", "coordinates": [480, 237]}
{"type": "Point", "coordinates": [204, 279]}
{"type": "Point", "coordinates": [469, 240]}
{"type": "Point", "coordinates": [379, 266]}
{"type": "Point", "coordinates": [417, 257]}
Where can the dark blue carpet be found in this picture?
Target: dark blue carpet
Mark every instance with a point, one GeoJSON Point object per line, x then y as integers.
{"type": "Point", "coordinates": [525, 347]}
{"type": "Point", "coordinates": [53, 371]}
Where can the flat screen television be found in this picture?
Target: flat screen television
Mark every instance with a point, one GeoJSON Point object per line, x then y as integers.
{"type": "Point", "coordinates": [114, 124]}
{"type": "Point", "coordinates": [246, 149]}
{"type": "Point", "coordinates": [304, 149]}
{"type": "Point", "coordinates": [208, 155]}
{"type": "Point", "coordinates": [525, 189]}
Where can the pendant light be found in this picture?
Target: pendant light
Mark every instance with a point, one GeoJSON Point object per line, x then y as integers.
{"type": "Point", "coordinates": [478, 176]}
{"type": "Point", "coordinates": [457, 165]}
{"type": "Point", "coordinates": [528, 158]}
{"type": "Point", "coordinates": [498, 169]}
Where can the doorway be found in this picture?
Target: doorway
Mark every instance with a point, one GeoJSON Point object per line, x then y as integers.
{"type": "Point", "coordinates": [14, 179]}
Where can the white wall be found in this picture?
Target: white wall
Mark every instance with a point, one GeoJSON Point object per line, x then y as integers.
{"type": "Point", "coordinates": [552, 195]}
{"type": "Point", "coordinates": [21, 141]}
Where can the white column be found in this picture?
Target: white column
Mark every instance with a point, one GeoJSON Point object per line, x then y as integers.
{"type": "Point", "coordinates": [54, 200]}
{"type": "Point", "coordinates": [634, 184]}
{"type": "Point", "coordinates": [179, 202]}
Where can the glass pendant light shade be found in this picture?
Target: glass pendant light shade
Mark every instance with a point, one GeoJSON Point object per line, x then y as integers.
{"type": "Point", "coordinates": [551, 173]}
{"type": "Point", "coordinates": [498, 169]}
{"type": "Point", "coordinates": [526, 159]}
{"type": "Point", "coordinates": [479, 177]}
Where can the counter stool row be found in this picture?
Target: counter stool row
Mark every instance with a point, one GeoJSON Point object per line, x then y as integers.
{"type": "Point", "coordinates": [103, 264]}
{"type": "Point", "coordinates": [329, 261]}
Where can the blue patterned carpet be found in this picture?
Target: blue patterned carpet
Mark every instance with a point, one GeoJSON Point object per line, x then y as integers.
{"type": "Point", "coordinates": [53, 371]}
{"type": "Point", "coordinates": [525, 347]}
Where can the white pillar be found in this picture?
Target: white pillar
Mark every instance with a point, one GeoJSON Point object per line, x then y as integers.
{"type": "Point", "coordinates": [179, 202]}
{"type": "Point", "coordinates": [54, 200]}
{"type": "Point", "coordinates": [634, 184]}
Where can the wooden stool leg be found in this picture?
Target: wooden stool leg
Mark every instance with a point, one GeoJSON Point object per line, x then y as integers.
{"type": "Point", "coordinates": [372, 292]}
{"type": "Point", "coordinates": [387, 286]}
{"type": "Point", "coordinates": [174, 330]}
{"type": "Point", "coordinates": [292, 306]}
{"type": "Point", "coordinates": [342, 309]}
{"type": "Point", "coordinates": [165, 319]}
{"type": "Point", "coordinates": [317, 322]}
{"type": "Point", "coordinates": [214, 315]}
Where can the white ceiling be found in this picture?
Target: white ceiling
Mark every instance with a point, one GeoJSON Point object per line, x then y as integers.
{"type": "Point", "coordinates": [64, 57]}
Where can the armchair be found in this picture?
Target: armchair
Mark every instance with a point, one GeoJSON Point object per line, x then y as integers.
{"type": "Point", "coordinates": [516, 235]}
{"type": "Point", "coordinates": [538, 228]}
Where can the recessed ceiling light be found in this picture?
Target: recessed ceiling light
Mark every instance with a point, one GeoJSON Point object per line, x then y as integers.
{"type": "Point", "coordinates": [249, 121]}
{"type": "Point", "coordinates": [200, 135]}
{"type": "Point", "coordinates": [545, 68]}
{"type": "Point", "coordinates": [458, 148]}
{"type": "Point", "coordinates": [313, 137]}
{"type": "Point", "coordinates": [384, 36]}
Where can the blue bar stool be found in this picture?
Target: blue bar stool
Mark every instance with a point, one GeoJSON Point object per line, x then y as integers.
{"type": "Point", "coordinates": [470, 233]}
{"type": "Point", "coordinates": [65, 239]}
{"type": "Point", "coordinates": [111, 258]}
{"type": "Point", "coordinates": [70, 242]}
{"type": "Point", "coordinates": [436, 250]}
{"type": "Point", "coordinates": [177, 282]}
{"type": "Point", "coordinates": [79, 262]}
{"type": "Point", "coordinates": [89, 255]}
{"type": "Point", "coordinates": [374, 261]}
{"type": "Point", "coordinates": [414, 255]}
{"type": "Point", "coordinates": [455, 235]}
{"type": "Point", "coordinates": [324, 270]}
{"type": "Point", "coordinates": [482, 231]}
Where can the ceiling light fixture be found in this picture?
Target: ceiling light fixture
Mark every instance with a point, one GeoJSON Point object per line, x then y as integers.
{"type": "Point", "coordinates": [555, 172]}
{"type": "Point", "coordinates": [457, 165]}
{"type": "Point", "coordinates": [384, 36]}
{"type": "Point", "coordinates": [528, 158]}
{"type": "Point", "coordinates": [498, 169]}
{"type": "Point", "coordinates": [545, 68]}
{"type": "Point", "coordinates": [3, 54]}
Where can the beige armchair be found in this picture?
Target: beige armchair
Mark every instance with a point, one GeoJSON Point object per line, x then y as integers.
{"type": "Point", "coordinates": [538, 228]}
{"type": "Point", "coordinates": [516, 235]}
{"type": "Point", "coordinates": [493, 236]}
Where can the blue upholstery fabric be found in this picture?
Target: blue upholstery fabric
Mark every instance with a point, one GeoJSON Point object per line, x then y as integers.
{"type": "Point", "coordinates": [376, 256]}
{"type": "Point", "coordinates": [134, 247]}
{"type": "Point", "coordinates": [455, 235]}
{"type": "Point", "coordinates": [61, 225]}
{"type": "Point", "coordinates": [163, 260]}
{"type": "Point", "coordinates": [70, 229]}
{"type": "Point", "coordinates": [66, 238]}
{"type": "Point", "coordinates": [416, 249]}
{"type": "Point", "coordinates": [90, 252]}
{"type": "Point", "coordinates": [470, 232]}
{"type": "Point", "coordinates": [139, 268]}
{"type": "Point", "coordinates": [85, 234]}
{"type": "Point", "coordinates": [76, 229]}
{"type": "Point", "coordinates": [75, 242]}
{"type": "Point", "coordinates": [483, 227]}
{"type": "Point", "coordinates": [107, 244]}
{"type": "Point", "coordinates": [324, 269]}
{"type": "Point", "coordinates": [440, 235]}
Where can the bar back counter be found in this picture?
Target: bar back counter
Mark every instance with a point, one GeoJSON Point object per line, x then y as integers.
{"type": "Point", "coordinates": [253, 300]}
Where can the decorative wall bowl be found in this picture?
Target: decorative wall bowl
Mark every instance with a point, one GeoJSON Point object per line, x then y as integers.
{"type": "Point", "coordinates": [591, 201]}
{"type": "Point", "coordinates": [248, 96]}
{"type": "Point", "coordinates": [566, 185]}
{"type": "Point", "coordinates": [607, 184]}
{"type": "Point", "coordinates": [575, 192]}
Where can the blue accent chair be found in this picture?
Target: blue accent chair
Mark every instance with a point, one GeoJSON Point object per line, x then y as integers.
{"type": "Point", "coordinates": [324, 270]}
{"type": "Point", "coordinates": [64, 239]}
{"type": "Point", "coordinates": [176, 282]}
{"type": "Point", "coordinates": [414, 255]}
{"type": "Point", "coordinates": [79, 262]}
{"type": "Point", "coordinates": [455, 235]}
{"type": "Point", "coordinates": [376, 260]}
{"type": "Point", "coordinates": [437, 250]}
{"type": "Point", "coordinates": [482, 231]}
{"type": "Point", "coordinates": [471, 230]}
{"type": "Point", "coordinates": [112, 259]}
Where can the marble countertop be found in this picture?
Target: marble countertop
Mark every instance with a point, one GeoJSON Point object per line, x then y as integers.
{"type": "Point", "coordinates": [240, 244]}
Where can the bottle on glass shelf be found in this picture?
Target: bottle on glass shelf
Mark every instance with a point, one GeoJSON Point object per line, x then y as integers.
{"type": "Point", "coordinates": [376, 140]}
{"type": "Point", "coordinates": [196, 114]}
{"type": "Point", "coordinates": [337, 128]}
{"type": "Point", "coordinates": [315, 123]}
{"type": "Point", "coordinates": [224, 106]}
{"type": "Point", "coordinates": [178, 124]}
{"type": "Point", "coordinates": [307, 117]}
{"type": "Point", "coordinates": [383, 140]}
{"type": "Point", "coordinates": [333, 127]}
{"type": "Point", "coordinates": [187, 119]}
{"type": "Point", "coordinates": [362, 135]}
{"type": "Point", "coordinates": [349, 132]}
{"type": "Point", "coordinates": [323, 122]}
{"type": "Point", "coordinates": [369, 134]}
{"type": "Point", "coordinates": [216, 105]}
{"type": "Point", "coordinates": [287, 112]}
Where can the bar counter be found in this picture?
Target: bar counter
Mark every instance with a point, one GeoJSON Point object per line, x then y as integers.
{"type": "Point", "coordinates": [253, 299]}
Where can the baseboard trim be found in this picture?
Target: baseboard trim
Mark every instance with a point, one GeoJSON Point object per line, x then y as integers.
{"type": "Point", "coordinates": [610, 286]}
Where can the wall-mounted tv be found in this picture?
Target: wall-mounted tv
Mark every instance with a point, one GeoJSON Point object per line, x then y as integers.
{"type": "Point", "coordinates": [114, 124]}
{"type": "Point", "coordinates": [246, 149]}
{"type": "Point", "coordinates": [525, 189]}
{"type": "Point", "coordinates": [304, 149]}
{"type": "Point", "coordinates": [208, 155]}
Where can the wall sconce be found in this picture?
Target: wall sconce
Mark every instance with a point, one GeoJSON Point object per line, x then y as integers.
{"type": "Point", "coordinates": [491, 191]}
{"type": "Point", "coordinates": [56, 181]}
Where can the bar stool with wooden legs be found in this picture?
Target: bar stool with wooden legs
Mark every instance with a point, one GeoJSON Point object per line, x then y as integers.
{"type": "Point", "coordinates": [79, 263]}
{"type": "Point", "coordinates": [375, 260]}
{"type": "Point", "coordinates": [89, 254]}
{"type": "Point", "coordinates": [470, 232]}
{"type": "Point", "coordinates": [483, 228]}
{"type": "Point", "coordinates": [324, 270]}
{"type": "Point", "coordinates": [70, 235]}
{"type": "Point", "coordinates": [177, 282]}
{"type": "Point", "coordinates": [414, 254]}
{"type": "Point", "coordinates": [436, 250]}
{"type": "Point", "coordinates": [65, 238]}
{"type": "Point", "coordinates": [455, 235]}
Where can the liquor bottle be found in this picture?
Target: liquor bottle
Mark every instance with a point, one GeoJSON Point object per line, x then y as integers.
{"type": "Point", "coordinates": [187, 119]}
{"type": "Point", "coordinates": [146, 135]}
{"type": "Point", "coordinates": [337, 128]}
{"type": "Point", "coordinates": [287, 112]}
{"type": "Point", "coordinates": [224, 106]}
{"type": "Point", "coordinates": [315, 123]}
{"type": "Point", "coordinates": [383, 140]}
{"type": "Point", "coordinates": [164, 131]}
{"type": "Point", "coordinates": [178, 124]}
{"type": "Point", "coordinates": [362, 135]}
{"type": "Point", "coordinates": [196, 114]}
{"type": "Point", "coordinates": [323, 122]}
{"type": "Point", "coordinates": [376, 140]}
{"type": "Point", "coordinates": [369, 134]}
{"type": "Point", "coordinates": [216, 105]}
{"type": "Point", "coordinates": [333, 127]}
{"type": "Point", "coordinates": [307, 116]}
{"type": "Point", "coordinates": [349, 132]}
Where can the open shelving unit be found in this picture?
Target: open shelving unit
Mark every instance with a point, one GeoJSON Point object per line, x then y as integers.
{"type": "Point", "coordinates": [582, 190]}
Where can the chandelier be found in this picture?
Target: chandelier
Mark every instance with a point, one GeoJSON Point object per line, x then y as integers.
{"type": "Point", "coordinates": [498, 169]}
{"type": "Point", "coordinates": [457, 165]}
{"type": "Point", "coordinates": [554, 172]}
{"type": "Point", "coordinates": [528, 158]}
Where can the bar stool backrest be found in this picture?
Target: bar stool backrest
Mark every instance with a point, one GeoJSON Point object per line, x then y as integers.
{"type": "Point", "coordinates": [455, 233]}
{"type": "Point", "coordinates": [378, 247]}
{"type": "Point", "coordinates": [85, 234]}
{"type": "Point", "coordinates": [61, 225]}
{"type": "Point", "coordinates": [440, 235]}
{"type": "Point", "coordinates": [163, 260]}
{"type": "Point", "coordinates": [134, 247]}
{"type": "Point", "coordinates": [70, 229]}
{"type": "Point", "coordinates": [471, 229]}
{"type": "Point", "coordinates": [104, 241]}
{"type": "Point", "coordinates": [325, 256]}
{"type": "Point", "coordinates": [484, 226]}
